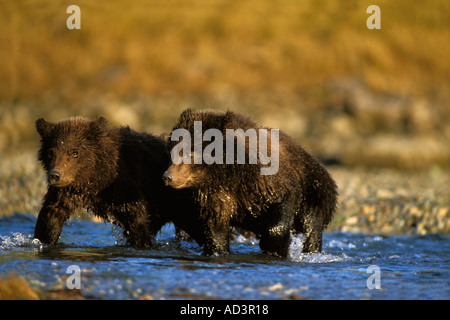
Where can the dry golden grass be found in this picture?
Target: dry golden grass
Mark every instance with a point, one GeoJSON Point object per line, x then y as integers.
{"type": "Point", "coordinates": [142, 62]}
{"type": "Point", "coordinates": [195, 46]}
{"type": "Point", "coordinates": [16, 288]}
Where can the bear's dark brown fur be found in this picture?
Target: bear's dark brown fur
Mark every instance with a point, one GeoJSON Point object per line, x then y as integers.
{"type": "Point", "coordinates": [301, 197]}
{"type": "Point", "coordinates": [114, 172]}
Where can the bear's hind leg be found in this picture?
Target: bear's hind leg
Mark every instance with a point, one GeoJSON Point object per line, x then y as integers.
{"type": "Point", "coordinates": [312, 231]}
{"type": "Point", "coordinates": [313, 242]}
{"type": "Point", "coordinates": [139, 231]}
{"type": "Point", "coordinates": [275, 243]}
{"type": "Point", "coordinates": [275, 234]}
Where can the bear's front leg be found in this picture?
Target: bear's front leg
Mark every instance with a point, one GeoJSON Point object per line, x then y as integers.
{"type": "Point", "coordinates": [217, 239]}
{"type": "Point", "coordinates": [50, 222]}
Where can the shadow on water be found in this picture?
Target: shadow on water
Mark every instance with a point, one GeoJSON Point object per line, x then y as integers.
{"type": "Point", "coordinates": [174, 250]}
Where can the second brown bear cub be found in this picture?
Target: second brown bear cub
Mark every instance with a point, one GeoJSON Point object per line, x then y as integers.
{"type": "Point", "coordinates": [300, 196]}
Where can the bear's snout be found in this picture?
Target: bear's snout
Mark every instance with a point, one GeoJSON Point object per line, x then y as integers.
{"type": "Point", "coordinates": [167, 178]}
{"type": "Point", "coordinates": [54, 176]}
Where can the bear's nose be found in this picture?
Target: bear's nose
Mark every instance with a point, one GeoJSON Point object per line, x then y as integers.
{"type": "Point", "coordinates": [167, 178]}
{"type": "Point", "coordinates": [54, 176]}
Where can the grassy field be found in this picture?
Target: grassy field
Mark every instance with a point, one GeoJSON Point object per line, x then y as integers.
{"type": "Point", "coordinates": [196, 47]}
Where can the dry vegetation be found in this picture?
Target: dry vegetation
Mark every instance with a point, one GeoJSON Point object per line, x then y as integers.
{"type": "Point", "coordinates": [14, 287]}
{"type": "Point", "coordinates": [310, 68]}
{"type": "Point", "coordinates": [313, 69]}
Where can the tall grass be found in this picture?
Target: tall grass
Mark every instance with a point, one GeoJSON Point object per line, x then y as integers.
{"type": "Point", "coordinates": [141, 62]}
{"type": "Point", "coordinates": [193, 46]}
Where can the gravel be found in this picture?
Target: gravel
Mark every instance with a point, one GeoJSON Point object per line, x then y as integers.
{"type": "Point", "coordinates": [387, 201]}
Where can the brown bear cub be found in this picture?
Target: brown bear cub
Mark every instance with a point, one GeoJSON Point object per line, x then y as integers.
{"type": "Point", "coordinates": [114, 172]}
{"type": "Point", "coordinates": [232, 189]}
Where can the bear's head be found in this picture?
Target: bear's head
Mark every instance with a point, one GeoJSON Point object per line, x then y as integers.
{"type": "Point", "coordinates": [184, 175]}
{"type": "Point", "coordinates": [209, 147]}
{"type": "Point", "coordinates": [186, 145]}
{"type": "Point", "coordinates": [77, 151]}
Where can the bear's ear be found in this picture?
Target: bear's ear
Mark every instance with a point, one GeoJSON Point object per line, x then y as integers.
{"type": "Point", "coordinates": [43, 127]}
{"type": "Point", "coordinates": [186, 114]}
{"type": "Point", "coordinates": [101, 122]}
{"type": "Point", "coordinates": [96, 127]}
{"type": "Point", "coordinates": [184, 119]}
{"type": "Point", "coordinates": [228, 118]}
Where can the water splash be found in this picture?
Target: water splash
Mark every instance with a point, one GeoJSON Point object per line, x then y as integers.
{"type": "Point", "coordinates": [119, 237]}
{"type": "Point", "coordinates": [296, 254]}
{"type": "Point", "coordinates": [19, 240]}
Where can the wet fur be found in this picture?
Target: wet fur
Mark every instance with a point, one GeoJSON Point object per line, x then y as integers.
{"type": "Point", "coordinates": [301, 197]}
{"type": "Point", "coordinates": [116, 175]}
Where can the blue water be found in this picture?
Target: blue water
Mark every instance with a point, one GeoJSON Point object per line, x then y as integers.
{"type": "Point", "coordinates": [410, 267]}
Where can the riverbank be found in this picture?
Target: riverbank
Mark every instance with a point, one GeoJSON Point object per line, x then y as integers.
{"type": "Point", "coordinates": [376, 201]}
{"type": "Point", "coordinates": [387, 201]}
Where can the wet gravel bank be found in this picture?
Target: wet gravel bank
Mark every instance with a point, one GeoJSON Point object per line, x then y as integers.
{"type": "Point", "coordinates": [387, 201]}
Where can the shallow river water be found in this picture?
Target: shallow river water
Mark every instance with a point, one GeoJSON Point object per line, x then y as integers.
{"type": "Point", "coordinates": [352, 266]}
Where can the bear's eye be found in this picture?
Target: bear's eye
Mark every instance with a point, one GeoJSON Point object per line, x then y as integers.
{"type": "Point", "coordinates": [74, 153]}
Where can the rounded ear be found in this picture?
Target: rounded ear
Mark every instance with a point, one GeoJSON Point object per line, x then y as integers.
{"type": "Point", "coordinates": [184, 119]}
{"type": "Point", "coordinates": [96, 127]}
{"type": "Point", "coordinates": [186, 114]}
{"type": "Point", "coordinates": [101, 121]}
{"type": "Point", "coordinates": [43, 127]}
{"type": "Point", "coordinates": [228, 117]}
